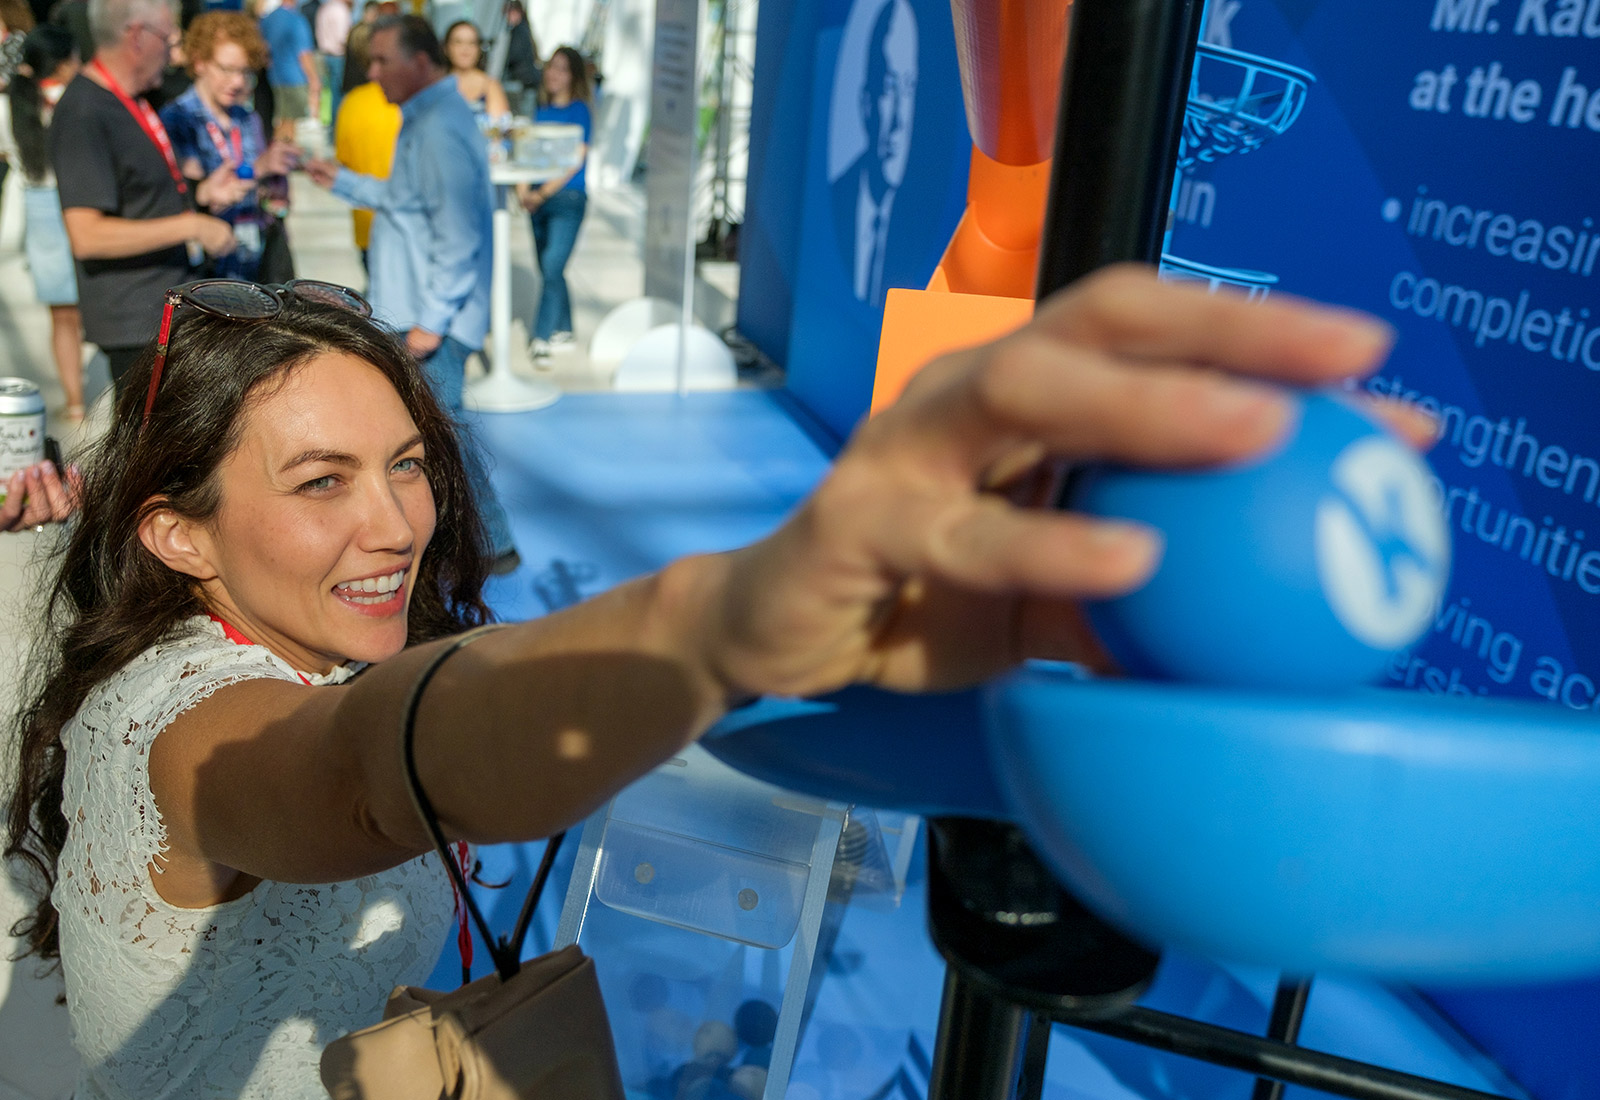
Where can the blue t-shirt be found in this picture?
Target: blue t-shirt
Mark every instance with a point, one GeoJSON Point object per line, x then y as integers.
{"type": "Point", "coordinates": [288, 35]}
{"type": "Point", "coordinates": [574, 113]}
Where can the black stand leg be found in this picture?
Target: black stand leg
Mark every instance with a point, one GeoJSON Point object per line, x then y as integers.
{"type": "Point", "coordinates": [1123, 89]}
{"type": "Point", "coordinates": [1017, 945]}
{"type": "Point", "coordinates": [1030, 1086]}
{"type": "Point", "coordinates": [978, 1053]}
{"type": "Point", "coordinates": [1288, 1010]}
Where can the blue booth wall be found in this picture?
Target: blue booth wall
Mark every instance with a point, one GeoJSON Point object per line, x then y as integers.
{"type": "Point", "coordinates": [767, 238]}
{"type": "Point", "coordinates": [810, 233]}
{"type": "Point", "coordinates": [1442, 177]}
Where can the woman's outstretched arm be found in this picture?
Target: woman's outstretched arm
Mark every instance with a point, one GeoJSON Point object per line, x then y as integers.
{"type": "Point", "coordinates": [906, 569]}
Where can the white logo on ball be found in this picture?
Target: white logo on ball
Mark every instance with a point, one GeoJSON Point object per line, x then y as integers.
{"type": "Point", "coordinates": [1383, 551]}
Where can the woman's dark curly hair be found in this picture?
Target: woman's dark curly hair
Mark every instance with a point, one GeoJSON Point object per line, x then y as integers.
{"type": "Point", "coordinates": [111, 599]}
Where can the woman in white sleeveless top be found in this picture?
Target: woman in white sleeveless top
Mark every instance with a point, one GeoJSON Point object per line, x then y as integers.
{"type": "Point", "coordinates": [230, 867]}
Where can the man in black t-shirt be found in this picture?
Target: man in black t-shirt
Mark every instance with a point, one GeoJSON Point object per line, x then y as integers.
{"type": "Point", "coordinates": [129, 215]}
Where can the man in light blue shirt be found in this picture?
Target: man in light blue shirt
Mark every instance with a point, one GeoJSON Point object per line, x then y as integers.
{"type": "Point", "coordinates": [430, 254]}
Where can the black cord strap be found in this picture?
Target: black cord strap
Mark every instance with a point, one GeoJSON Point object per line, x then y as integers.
{"type": "Point", "coordinates": [505, 953]}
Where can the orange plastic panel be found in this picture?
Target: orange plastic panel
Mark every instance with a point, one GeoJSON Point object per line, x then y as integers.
{"type": "Point", "coordinates": [921, 325]}
{"type": "Point", "coordinates": [1011, 53]}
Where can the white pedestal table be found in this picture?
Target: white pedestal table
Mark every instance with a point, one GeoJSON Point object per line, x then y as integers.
{"type": "Point", "coordinates": [502, 391]}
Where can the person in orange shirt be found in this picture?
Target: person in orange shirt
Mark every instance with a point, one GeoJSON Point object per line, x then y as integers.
{"type": "Point", "coordinates": [364, 134]}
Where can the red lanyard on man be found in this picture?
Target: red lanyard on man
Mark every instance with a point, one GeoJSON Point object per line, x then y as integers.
{"type": "Point", "coordinates": [463, 933]}
{"type": "Point", "coordinates": [148, 121]}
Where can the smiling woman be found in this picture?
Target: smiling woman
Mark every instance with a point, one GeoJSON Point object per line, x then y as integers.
{"type": "Point", "coordinates": [230, 864]}
{"type": "Point", "coordinates": [251, 507]}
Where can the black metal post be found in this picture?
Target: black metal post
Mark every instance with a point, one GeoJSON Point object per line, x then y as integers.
{"type": "Point", "coordinates": [1015, 944]}
{"type": "Point", "coordinates": [1014, 941]}
{"type": "Point", "coordinates": [1124, 85]}
{"type": "Point", "coordinates": [1035, 1059]}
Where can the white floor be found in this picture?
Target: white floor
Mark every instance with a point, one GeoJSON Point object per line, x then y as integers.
{"type": "Point", "coordinates": [36, 1062]}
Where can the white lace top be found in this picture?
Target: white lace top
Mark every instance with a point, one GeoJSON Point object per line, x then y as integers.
{"type": "Point", "coordinates": [234, 1000]}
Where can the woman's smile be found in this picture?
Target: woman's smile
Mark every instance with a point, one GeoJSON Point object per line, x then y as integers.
{"type": "Point", "coordinates": [378, 596]}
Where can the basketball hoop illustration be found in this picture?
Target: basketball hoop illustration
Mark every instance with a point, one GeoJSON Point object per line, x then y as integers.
{"type": "Point", "coordinates": [1255, 284]}
{"type": "Point", "coordinates": [1237, 103]}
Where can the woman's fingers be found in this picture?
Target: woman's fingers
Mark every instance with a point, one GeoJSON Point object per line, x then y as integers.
{"type": "Point", "coordinates": [984, 543]}
{"type": "Point", "coordinates": [11, 510]}
{"type": "Point", "coordinates": [38, 495]}
{"type": "Point", "coordinates": [1132, 370]}
{"type": "Point", "coordinates": [995, 547]}
{"type": "Point", "coordinates": [1410, 423]}
{"type": "Point", "coordinates": [56, 498]}
{"type": "Point", "coordinates": [969, 417]}
{"type": "Point", "coordinates": [1127, 310]}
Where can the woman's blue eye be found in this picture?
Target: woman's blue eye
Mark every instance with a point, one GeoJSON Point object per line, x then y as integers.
{"type": "Point", "coordinates": [319, 484]}
{"type": "Point", "coordinates": [408, 466]}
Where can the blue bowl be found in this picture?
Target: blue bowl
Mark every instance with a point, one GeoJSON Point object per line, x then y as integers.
{"type": "Point", "coordinates": [1401, 836]}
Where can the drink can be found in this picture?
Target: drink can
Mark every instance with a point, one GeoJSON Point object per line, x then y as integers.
{"type": "Point", "coordinates": [21, 427]}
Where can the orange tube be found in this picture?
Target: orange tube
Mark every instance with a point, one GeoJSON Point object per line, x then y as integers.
{"type": "Point", "coordinates": [995, 248]}
{"type": "Point", "coordinates": [1011, 53]}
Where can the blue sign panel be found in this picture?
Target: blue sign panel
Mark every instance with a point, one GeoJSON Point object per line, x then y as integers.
{"type": "Point", "coordinates": [1430, 161]}
{"type": "Point", "coordinates": [877, 194]}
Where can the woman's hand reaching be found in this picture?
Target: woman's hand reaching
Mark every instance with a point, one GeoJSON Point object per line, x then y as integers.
{"type": "Point", "coordinates": [929, 557]}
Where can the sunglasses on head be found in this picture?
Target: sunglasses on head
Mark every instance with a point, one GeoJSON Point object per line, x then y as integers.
{"type": "Point", "coordinates": [245, 302]}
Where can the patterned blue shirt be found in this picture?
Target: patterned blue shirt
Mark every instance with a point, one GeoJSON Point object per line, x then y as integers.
{"type": "Point", "coordinates": [196, 135]}
{"type": "Point", "coordinates": [431, 251]}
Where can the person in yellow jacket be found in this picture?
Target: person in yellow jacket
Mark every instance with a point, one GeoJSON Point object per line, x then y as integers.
{"type": "Point", "coordinates": [363, 141]}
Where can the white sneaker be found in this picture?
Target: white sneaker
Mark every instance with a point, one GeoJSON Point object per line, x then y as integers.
{"type": "Point", "coordinates": [562, 341]}
{"type": "Point", "coordinates": [539, 350]}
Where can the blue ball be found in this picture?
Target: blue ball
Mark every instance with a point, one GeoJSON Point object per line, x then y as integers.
{"type": "Point", "coordinates": [1306, 569]}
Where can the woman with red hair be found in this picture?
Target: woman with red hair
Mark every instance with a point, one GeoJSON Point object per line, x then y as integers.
{"type": "Point", "coordinates": [214, 123]}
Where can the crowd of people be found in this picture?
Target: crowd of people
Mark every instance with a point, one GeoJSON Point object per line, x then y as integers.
{"type": "Point", "coordinates": [282, 528]}
{"type": "Point", "coordinates": [164, 154]}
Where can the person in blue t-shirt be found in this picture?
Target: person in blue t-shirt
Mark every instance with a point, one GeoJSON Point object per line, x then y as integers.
{"type": "Point", "coordinates": [556, 206]}
{"type": "Point", "coordinates": [293, 73]}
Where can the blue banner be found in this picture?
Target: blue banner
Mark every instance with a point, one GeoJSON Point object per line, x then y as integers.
{"type": "Point", "coordinates": [876, 197]}
{"type": "Point", "coordinates": [1429, 161]}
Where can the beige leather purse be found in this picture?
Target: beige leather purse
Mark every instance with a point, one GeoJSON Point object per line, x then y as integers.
{"type": "Point", "coordinates": [534, 1030]}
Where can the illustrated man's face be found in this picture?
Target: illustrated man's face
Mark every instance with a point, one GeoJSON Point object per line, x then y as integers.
{"type": "Point", "coordinates": [888, 100]}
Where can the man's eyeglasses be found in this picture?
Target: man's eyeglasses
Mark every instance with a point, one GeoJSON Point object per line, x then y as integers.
{"type": "Point", "coordinates": [170, 38]}
{"type": "Point", "coordinates": [243, 302]}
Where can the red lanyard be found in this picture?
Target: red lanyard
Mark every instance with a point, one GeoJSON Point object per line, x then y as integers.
{"type": "Point", "coordinates": [148, 121]}
{"type": "Point", "coordinates": [222, 150]}
{"type": "Point", "coordinates": [232, 634]}
{"type": "Point", "coordinates": [463, 858]}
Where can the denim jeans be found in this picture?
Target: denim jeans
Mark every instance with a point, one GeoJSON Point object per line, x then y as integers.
{"type": "Point", "coordinates": [555, 231]}
{"type": "Point", "coordinates": [446, 371]}
{"type": "Point", "coordinates": [335, 85]}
